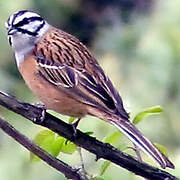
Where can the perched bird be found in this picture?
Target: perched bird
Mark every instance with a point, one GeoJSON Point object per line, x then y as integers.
{"type": "Point", "coordinates": [65, 76]}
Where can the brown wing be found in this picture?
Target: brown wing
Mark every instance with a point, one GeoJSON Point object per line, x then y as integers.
{"type": "Point", "coordinates": [67, 64]}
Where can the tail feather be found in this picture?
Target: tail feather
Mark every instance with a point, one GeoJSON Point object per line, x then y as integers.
{"type": "Point", "coordinates": [142, 142]}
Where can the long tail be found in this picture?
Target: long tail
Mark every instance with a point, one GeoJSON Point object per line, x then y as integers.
{"type": "Point", "coordinates": [142, 142]}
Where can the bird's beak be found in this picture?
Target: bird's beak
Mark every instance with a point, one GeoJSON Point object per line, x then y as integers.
{"type": "Point", "coordinates": [12, 31]}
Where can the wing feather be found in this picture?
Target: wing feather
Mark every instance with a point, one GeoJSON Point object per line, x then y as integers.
{"type": "Point", "coordinates": [57, 74]}
{"type": "Point", "coordinates": [83, 85]}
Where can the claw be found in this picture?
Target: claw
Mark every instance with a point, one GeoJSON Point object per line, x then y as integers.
{"type": "Point", "coordinates": [41, 117]}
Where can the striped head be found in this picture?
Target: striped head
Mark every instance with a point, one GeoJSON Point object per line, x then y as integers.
{"type": "Point", "coordinates": [24, 29]}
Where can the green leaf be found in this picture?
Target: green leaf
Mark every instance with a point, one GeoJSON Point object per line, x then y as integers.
{"type": "Point", "coordinates": [97, 178]}
{"type": "Point", "coordinates": [104, 167]}
{"type": "Point", "coordinates": [152, 110]}
{"type": "Point", "coordinates": [161, 148]}
{"type": "Point", "coordinates": [49, 141]}
{"type": "Point", "coordinates": [89, 132]}
{"type": "Point", "coordinates": [113, 138]}
{"type": "Point", "coordinates": [71, 120]}
{"type": "Point", "coordinates": [53, 144]}
{"type": "Point", "coordinates": [122, 147]}
{"type": "Point", "coordinates": [68, 147]}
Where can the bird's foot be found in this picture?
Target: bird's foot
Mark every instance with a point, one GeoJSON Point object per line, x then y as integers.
{"type": "Point", "coordinates": [74, 126]}
{"type": "Point", "coordinates": [40, 105]}
{"type": "Point", "coordinates": [41, 116]}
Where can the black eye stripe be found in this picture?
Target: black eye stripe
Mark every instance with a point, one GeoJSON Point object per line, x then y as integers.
{"type": "Point", "coordinates": [27, 32]}
{"type": "Point", "coordinates": [27, 21]}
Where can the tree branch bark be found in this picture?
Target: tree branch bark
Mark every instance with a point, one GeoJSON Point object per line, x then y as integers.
{"type": "Point", "coordinates": [101, 150]}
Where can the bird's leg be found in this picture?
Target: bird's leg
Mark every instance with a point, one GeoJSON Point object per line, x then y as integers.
{"type": "Point", "coordinates": [74, 125]}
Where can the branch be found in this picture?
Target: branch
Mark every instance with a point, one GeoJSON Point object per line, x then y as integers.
{"type": "Point", "coordinates": [101, 150]}
{"type": "Point", "coordinates": [68, 171]}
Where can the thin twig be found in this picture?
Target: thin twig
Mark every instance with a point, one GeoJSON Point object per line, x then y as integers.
{"type": "Point", "coordinates": [101, 150]}
{"type": "Point", "coordinates": [83, 170]}
{"type": "Point", "coordinates": [138, 153]}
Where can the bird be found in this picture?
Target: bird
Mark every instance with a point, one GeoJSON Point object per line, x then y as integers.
{"type": "Point", "coordinates": [67, 78]}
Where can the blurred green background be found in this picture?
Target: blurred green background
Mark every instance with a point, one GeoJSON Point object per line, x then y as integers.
{"type": "Point", "coordinates": [138, 44]}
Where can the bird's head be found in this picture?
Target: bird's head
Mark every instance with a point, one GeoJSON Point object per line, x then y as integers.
{"type": "Point", "coordinates": [25, 28]}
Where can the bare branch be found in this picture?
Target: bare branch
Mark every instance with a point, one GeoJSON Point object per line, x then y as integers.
{"type": "Point", "coordinates": [101, 150]}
